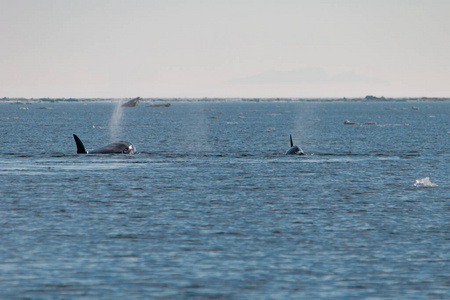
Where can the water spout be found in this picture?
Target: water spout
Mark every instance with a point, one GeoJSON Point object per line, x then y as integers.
{"type": "Point", "coordinates": [114, 122]}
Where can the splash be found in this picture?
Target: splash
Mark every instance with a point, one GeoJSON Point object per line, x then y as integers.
{"type": "Point", "coordinates": [114, 122]}
{"type": "Point", "coordinates": [424, 182]}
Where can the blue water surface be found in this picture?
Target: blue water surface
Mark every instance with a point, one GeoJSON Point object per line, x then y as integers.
{"type": "Point", "coordinates": [211, 207]}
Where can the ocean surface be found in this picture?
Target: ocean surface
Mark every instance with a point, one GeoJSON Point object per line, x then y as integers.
{"type": "Point", "coordinates": [211, 207]}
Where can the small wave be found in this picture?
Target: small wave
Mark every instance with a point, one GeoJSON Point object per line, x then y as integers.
{"type": "Point", "coordinates": [384, 125]}
{"type": "Point", "coordinates": [370, 154]}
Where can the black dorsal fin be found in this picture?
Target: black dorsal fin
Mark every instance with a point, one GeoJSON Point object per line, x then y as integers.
{"type": "Point", "coordinates": [80, 146]}
{"type": "Point", "coordinates": [292, 143]}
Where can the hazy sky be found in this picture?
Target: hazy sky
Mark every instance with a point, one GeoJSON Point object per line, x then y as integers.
{"type": "Point", "coordinates": [215, 48]}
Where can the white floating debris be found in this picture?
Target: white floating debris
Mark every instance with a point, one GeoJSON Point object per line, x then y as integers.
{"type": "Point", "coordinates": [424, 182]}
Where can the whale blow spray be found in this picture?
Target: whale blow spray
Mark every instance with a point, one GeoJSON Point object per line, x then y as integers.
{"type": "Point", "coordinates": [114, 122]}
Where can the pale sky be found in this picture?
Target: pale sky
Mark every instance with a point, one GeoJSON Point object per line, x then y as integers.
{"type": "Point", "coordinates": [215, 48]}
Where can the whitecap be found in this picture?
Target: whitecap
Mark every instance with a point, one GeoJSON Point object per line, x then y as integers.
{"type": "Point", "coordinates": [424, 182]}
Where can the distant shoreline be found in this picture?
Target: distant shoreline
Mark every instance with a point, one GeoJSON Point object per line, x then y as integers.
{"type": "Point", "coordinates": [225, 100]}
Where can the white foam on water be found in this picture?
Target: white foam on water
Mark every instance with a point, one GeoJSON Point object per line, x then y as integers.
{"type": "Point", "coordinates": [425, 182]}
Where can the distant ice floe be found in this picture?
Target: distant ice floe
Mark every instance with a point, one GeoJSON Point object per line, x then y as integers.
{"type": "Point", "coordinates": [424, 182]}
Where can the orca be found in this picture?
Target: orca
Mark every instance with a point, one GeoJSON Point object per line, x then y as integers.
{"type": "Point", "coordinates": [294, 149]}
{"type": "Point", "coordinates": [114, 148]}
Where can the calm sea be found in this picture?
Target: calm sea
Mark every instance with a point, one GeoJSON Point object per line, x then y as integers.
{"type": "Point", "coordinates": [212, 208]}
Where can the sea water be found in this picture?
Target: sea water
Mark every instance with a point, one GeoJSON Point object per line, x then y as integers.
{"type": "Point", "coordinates": [211, 207]}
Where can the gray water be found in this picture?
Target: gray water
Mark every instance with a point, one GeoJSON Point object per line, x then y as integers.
{"type": "Point", "coordinates": [211, 208]}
